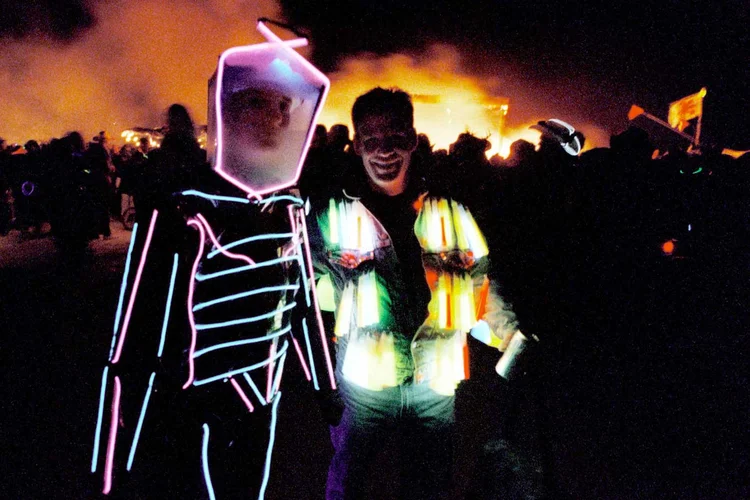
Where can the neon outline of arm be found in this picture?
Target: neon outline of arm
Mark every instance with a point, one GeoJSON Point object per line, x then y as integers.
{"type": "Point", "coordinates": [269, 378]}
{"type": "Point", "coordinates": [242, 395]}
{"type": "Point", "coordinates": [271, 439]}
{"type": "Point", "coordinates": [205, 277]}
{"type": "Point", "coordinates": [242, 321]}
{"type": "Point", "coordinates": [218, 245]}
{"type": "Point", "coordinates": [213, 197]}
{"type": "Point", "coordinates": [115, 420]}
{"type": "Point", "coordinates": [316, 385]}
{"type": "Point", "coordinates": [298, 256]}
{"type": "Point", "coordinates": [279, 372]}
{"type": "Point", "coordinates": [134, 292]}
{"type": "Point", "coordinates": [168, 308]}
{"type": "Point", "coordinates": [242, 295]}
{"type": "Point", "coordinates": [242, 370]}
{"type": "Point", "coordinates": [100, 415]}
{"type": "Point", "coordinates": [204, 455]}
{"type": "Point", "coordinates": [301, 359]}
{"type": "Point", "coordinates": [234, 343]}
{"type": "Point", "coordinates": [138, 428]}
{"type": "Point", "coordinates": [191, 291]}
{"type": "Point", "coordinates": [254, 388]}
{"type": "Point", "coordinates": [317, 307]}
{"type": "Point", "coordinates": [123, 287]}
{"type": "Point", "coordinates": [269, 236]}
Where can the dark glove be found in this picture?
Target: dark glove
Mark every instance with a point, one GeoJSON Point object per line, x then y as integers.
{"type": "Point", "coordinates": [331, 406]}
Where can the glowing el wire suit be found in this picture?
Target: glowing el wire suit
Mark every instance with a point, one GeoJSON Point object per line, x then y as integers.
{"type": "Point", "coordinates": [217, 291]}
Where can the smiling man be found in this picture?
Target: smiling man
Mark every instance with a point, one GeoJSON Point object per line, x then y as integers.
{"type": "Point", "coordinates": [384, 137]}
{"type": "Point", "coordinates": [408, 269]}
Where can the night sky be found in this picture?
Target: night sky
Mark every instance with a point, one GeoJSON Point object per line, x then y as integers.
{"type": "Point", "coordinates": [589, 60]}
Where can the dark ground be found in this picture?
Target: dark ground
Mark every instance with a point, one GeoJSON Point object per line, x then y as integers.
{"type": "Point", "coordinates": [661, 417]}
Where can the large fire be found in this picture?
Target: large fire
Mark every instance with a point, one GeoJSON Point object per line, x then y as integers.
{"type": "Point", "coordinates": [446, 101]}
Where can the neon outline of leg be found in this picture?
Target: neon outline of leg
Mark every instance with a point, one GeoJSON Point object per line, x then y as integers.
{"type": "Point", "coordinates": [115, 421]}
{"type": "Point", "coordinates": [271, 439]}
{"type": "Point", "coordinates": [99, 417]}
{"type": "Point", "coordinates": [204, 455]}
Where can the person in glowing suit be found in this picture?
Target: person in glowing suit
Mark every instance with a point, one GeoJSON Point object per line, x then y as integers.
{"type": "Point", "coordinates": [216, 293]}
{"type": "Point", "coordinates": [408, 269]}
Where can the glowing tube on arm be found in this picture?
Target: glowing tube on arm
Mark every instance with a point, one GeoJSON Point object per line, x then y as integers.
{"type": "Point", "coordinates": [319, 318]}
{"type": "Point", "coordinates": [168, 308]}
{"type": "Point", "coordinates": [138, 428]}
{"type": "Point", "coordinates": [123, 287]}
{"type": "Point", "coordinates": [134, 292]}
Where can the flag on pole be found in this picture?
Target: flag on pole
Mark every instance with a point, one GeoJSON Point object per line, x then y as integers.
{"type": "Point", "coordinates": [685, 109]}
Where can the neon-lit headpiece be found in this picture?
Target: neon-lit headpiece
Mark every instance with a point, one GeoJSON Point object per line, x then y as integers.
{"type": "Point", "coordinates": [562, 132]}
{"type": "Point", "coordinates": [263, 103]}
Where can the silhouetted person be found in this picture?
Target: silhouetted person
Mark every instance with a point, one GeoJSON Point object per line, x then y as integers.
{"type": "Point", "coordinates": [178, 164]}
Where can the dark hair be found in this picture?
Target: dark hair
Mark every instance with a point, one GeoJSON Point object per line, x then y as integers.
{"type": "Point", "coordinates": [179, 121]}
{"type": "Point", "coordinates": [380, 101]}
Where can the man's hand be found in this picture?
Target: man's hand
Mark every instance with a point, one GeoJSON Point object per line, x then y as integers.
{"type": "Point", "coordinates": [483, 333]}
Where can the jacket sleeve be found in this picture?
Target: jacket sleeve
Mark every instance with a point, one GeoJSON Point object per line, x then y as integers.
{"type": "Point", "coordinates": [497, 314]}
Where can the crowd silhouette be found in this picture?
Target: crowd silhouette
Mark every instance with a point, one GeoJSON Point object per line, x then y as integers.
{"type": "Point", "coordinates": [630, 265]}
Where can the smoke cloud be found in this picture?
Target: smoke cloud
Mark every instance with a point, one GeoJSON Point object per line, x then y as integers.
{"type": "Point", "coordinates": [124, 71]}
{"type": "Point", "coordinates": [137, 58]}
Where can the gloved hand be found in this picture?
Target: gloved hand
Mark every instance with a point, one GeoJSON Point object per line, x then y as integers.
{"type": "Point", "coordinates": [331, 406]}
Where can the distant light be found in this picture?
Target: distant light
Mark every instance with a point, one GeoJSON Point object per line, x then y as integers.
{"type": "Point", "coordinates": [27, 188]}
{"type": "Point", "coordinates": [668, 247]}
{"type": "Point", "coordinates": [690, 227]}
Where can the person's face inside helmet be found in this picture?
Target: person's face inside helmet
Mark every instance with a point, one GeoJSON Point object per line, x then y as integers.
{"type": "Point", "coordinates": [257, 118]}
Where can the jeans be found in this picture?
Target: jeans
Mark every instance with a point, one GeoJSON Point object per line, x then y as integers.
{"type": "Point", "coordinates": [423, 422]}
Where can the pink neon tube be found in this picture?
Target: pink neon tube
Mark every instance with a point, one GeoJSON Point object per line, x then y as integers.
{"type": "Point", "coordinates": [191, 292]}
{"type": "Point", "coordinates": [216, 243]}
{"type": "Point", "coordinates": [136, 283]}
{"type": "Point", "coordinates": [242, 394]}
{"type": "Point", "coordinates": [109, 464]}
{"type": "Point", "coordinates": [311, 276]}
{"type": "Point", "coordinates": [301, 359]}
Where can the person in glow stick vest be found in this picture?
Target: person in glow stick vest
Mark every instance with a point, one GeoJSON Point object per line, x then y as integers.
{"type": "Point", "coordinates": [409, 275]}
